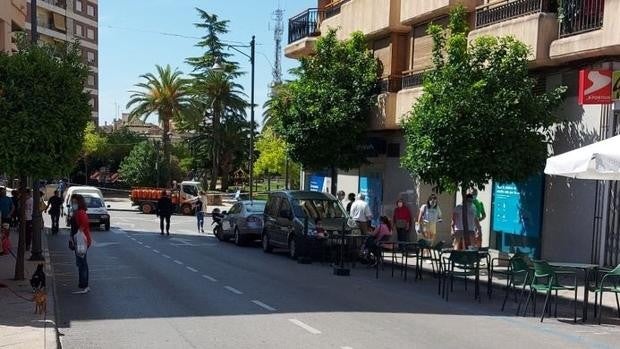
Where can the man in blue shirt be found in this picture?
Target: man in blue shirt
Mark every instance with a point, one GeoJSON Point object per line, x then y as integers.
{"type": "Point", "coordinates": [6, 206]}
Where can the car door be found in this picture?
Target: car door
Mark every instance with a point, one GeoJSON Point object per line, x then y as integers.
{"type": "Point", "coordinates": [271, 215]}
{"type": "Point", "coordinates": [227, 221]}
{"type": "Point", "coordinates": [285, 222]}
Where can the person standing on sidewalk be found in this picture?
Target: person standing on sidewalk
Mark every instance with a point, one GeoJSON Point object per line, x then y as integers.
{"type": "Point", "coordinates": [200, 214]}
{"type": "Point", "coordinates": [402, 220]}
{"type": "Point", "coordinates": [463, 238]}
{"type": "Point", "coordinates": [480, 215]}
{"type": "Point", "coordinates": [430, 215]}
{"type": "Point", "coordinates": [351, 198]}
{"type": "Point", "coordinates": [6, 206]}
{"type": "Point", "coordinates": [29, 209]}
{"type": "Point", "coordinates": [164, 211]}
{"type": "Point", "coordinates": [360, 213]}
{"type": "Point", "coordinates": [80, 224]}
{"type": "Point", "coordinates": [53, 208]}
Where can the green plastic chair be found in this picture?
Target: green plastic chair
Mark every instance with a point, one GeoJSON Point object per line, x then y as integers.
{"type": "Point", "coordinates": [601, 288]}
{"type": "Point", "coordinates": [461, 264]}
{"type": "Point", "coordinates": [550, 282]}
{"type": "Point", "coordinates": [519, 275]}
{"type": "Point", "coordinates": [501, 266]}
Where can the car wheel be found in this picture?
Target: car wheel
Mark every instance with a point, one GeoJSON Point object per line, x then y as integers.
{"type": "Point", "coordinates": [219, 234]}
{"type": "Point", "coordinates": [266, 244]}
{"type": "Point", "coordinates": [238, 238]}
{"type": "Point", "coordinates": [292, 248]}
{"type": "Point", "coordinates": [186, 210]}
{"type": "Point", "coordinates": [147, 208]}
{"type": "Point", "coordinates": [107, 226]}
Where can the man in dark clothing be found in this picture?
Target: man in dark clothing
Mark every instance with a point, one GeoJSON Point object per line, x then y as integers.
{"type": "Point", "coordinates": [164, 211]}
{"type": "Point", "coordinates": [53, 208]}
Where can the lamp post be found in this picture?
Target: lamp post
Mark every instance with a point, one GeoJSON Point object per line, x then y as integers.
{"type": "Point", "coordinates": [217, 66]}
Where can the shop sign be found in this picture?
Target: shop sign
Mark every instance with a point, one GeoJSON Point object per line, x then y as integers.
{"type": "Point", "coordinates": [595, 86]}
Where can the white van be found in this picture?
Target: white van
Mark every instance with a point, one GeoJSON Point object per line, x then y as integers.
{"type": "Point", "coordinates": [97, 214]}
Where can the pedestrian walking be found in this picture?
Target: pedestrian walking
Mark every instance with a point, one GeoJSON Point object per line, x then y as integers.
{"type": "Point", "coordinates": [15, 198]}
{"type": "Point", "coordinates": [80, 240]}
{"type": "Point", "coordinates": [402, 220]}
{"type": "Point", "coordinates": [430, 215]}
{"type": "Point", "coordinates": [164, 211]}
{"type": "Point", "coordinates": [480, 214]}
{"type": "Point", "coordinates": [351, 198]}
{"type": "Point", "coordinates": [463, 238]}
{"type": "Point", "coordinates": [200, 214]}
{"type": "Point", "coordinates": [53, 207]}
{"type": "Point", "coordinates": [360, 213]}
{"type": "Point", "coordinates": [6, 206]}
{"type": "Point", "coordinates": [61, 188]}
{"type": "Point", "coordinates": [28, 208]}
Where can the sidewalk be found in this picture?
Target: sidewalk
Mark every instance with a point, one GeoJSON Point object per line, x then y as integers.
{"type": "Point", "coordinates": [19, 326]}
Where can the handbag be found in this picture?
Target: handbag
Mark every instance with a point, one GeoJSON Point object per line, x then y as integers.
{"type": "Point", "coordinates": [81, 246]}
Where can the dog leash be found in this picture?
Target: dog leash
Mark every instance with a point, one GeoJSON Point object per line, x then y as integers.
{"type": "Point", "coordinates": [16, 294]}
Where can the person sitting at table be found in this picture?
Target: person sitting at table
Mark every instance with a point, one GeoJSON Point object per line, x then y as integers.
{"type": "Point", "coordinates": [382, 232]}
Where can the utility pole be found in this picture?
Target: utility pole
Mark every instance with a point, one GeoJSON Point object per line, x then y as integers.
{"type": "Point", "coordinates": [253, 61]}
{"type": "Point", "coordinates": [37, 251]}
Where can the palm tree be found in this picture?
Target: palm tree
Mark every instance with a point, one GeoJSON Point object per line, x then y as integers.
{"type": "Point", "coordinates": [221, 100]}
{"type": "Point", "coordinates": [278, 103]}
{"type": "Point", "coordinates": [165, 94]}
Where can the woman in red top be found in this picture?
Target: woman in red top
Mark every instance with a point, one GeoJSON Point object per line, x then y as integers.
{"type": "Point", "coordinates": [79, 222]}
{"type": "Point", "coordinates": [402, 220]}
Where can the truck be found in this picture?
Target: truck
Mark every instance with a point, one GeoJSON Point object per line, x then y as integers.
{"type": "Point", "coordinates": [183, 196]}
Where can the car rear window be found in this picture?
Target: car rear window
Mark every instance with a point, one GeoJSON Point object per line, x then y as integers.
{"type": "Point", "coordinates": [256, 207]}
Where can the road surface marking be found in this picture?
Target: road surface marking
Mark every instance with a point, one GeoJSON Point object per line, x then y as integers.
{"type": "Point", "coordinates": [263, 305]}
{"type": "Point", "coordinates": [233, 290]}
{"type": "Point", "coordinates": [140, 242]}
{"type": "Point", "coordinates": [156, 251]}
{"type": "Point", "coordinates": [178, 262]}
{"type": "Point", "coordinates": [166, 256]}
{"type": "Point", "coordinates": [191, 269]}
{"type": "Point", "coordinates": [346, 347]}
{"type": "Point", "coordinates": [209, 278]}
{"type": "Point", "coordinates": [305, 326]}
{"type": "Point", "coordinates": [147, 246]}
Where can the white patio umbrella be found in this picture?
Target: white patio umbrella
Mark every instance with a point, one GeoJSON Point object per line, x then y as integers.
{"type": "Point", "coordinates": [598, 161]}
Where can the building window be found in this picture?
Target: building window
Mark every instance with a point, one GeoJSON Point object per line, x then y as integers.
{"type": "Point", "coordinates": [79, 30]}
{"type": "Point", "coordinates": [91, 80]}
{"type": "Point", "coordinates": [90, 9]}
{"type": "Point", "coordinates": [78, 5]}
{"type": "Point", "coordinates": [90, 33]}
{"type": "Point", "coordinates": [90, 56]}
{"type": "Point", "coordinates": [91, 102]}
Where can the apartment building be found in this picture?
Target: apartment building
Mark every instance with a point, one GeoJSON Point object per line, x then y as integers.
{"type": "Point", "coordinates": [67, 21]}
{"type": "Point", "coordinates": [12, 20]}
{"type": "Point", "coordinates": [555, 218]}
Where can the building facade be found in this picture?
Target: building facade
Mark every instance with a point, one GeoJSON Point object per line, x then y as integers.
{"type": "Point", "coordinates": [12, 20]}
{"type": "Point", "coordinates": [68, 21]}
{"type": "Point", "coordinates": [563, 219]}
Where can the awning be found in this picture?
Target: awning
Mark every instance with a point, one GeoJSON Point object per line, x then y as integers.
{"type": "Point", "coordinates": [59, 21]}
{"type": "Point", "coordinates": [598, 161]}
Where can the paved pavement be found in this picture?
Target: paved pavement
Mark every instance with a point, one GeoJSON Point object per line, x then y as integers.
{"type": "Point", "coordinates": [191, 291]}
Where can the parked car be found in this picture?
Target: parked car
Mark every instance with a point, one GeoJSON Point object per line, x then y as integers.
{"type": "Point", "coordinates": [288, 212]}
{"type": "Point", "coordinates": [84, 191]}
{"type": "Point", "coordinates": [97, 211]}
{"type": "Point", "coordinates": [243, 222]}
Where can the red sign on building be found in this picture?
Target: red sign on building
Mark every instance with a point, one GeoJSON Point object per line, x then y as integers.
{"type": "Point", "coordinates": [595, 86]}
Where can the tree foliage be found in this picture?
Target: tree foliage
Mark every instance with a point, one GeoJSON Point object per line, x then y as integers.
{"type": "Point", "coordinates": [142, 166]}
{"type": "Point", "coordinates": [272, 159]}
{"type": "Point", "coordinates": [330, 104]}
{"type": "Point", "coordinates": [43, 109]}
{"type": "Point", "coordinates": [479, 117]}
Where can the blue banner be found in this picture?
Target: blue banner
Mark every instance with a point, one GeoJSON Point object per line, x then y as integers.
{"type": "Point", "coordinates": [372, 188]}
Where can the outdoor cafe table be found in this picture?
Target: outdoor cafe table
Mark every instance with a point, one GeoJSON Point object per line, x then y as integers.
{"type": "Point", "coordinates": [587, 270]}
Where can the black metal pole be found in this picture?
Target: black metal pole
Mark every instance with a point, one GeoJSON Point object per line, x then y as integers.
{"type": "Point", "coordinates": [253, 61]}
{"type": "Point", "coordinates": [34, 30]}
{"type": "Point", "coordinates": [340, 269]}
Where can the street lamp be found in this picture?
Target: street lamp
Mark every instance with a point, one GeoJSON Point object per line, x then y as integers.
{"type": "Point", "coordinates": [218, 67]}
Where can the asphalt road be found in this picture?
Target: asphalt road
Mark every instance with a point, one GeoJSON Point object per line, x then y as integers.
{"type": "Point", "coordinates": [191, 291]}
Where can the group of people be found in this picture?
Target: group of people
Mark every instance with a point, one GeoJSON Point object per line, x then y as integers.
{"type": "Point", "coordinates": [425, 223]}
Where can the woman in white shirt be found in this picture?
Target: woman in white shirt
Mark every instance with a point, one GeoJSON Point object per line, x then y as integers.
{"type": "Point", "coordinates": [430, 215]}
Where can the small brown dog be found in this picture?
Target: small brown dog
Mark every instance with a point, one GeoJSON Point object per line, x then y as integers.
{"type": "Point", "coordinates": [40, 301]}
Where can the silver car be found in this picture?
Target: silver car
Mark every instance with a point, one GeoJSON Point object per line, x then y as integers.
{"type": "Point", "coordinates": [244, 222]}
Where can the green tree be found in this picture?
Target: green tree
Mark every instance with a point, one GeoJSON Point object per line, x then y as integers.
{"type": "Point", "coordinates": [277, 104]}
{"type": "Point", "coordinates": [120, 143]}
{"type": "Point", "coordinates": [331, 102]}
{"type": "Point", "coordinates": [479, 118]}
{"type": "Point", "coordinates": [165, 94]}
{"type": "Point", "coordinates": [43, 113]}
{"type": "Point", "coordinates": [95, 145]}
{"type": "Point", "coordinates": [273, 158]}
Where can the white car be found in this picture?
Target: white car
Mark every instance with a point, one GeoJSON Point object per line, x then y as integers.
{"type": "Point", "coordinates": [96, 207]}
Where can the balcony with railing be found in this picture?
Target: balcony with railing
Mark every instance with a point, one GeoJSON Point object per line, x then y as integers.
{"type": "Point", "coordinates": [418, 11]}
{"type": "Point", "coordinates": [588, 28]}
{"type": "Point", "coordinates": [412, 79]}
{"type": "Point", "coordinates": [303, 30]}
{"type": "Point", "coordinates": [58, 3]}
{"type": "Point", "coordinates": [411, 90]}
{"type": "Point", "coordinates": [533, 22]}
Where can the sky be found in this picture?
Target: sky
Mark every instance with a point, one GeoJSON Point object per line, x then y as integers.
{"type": "Point", "coordinates": [131, 42]}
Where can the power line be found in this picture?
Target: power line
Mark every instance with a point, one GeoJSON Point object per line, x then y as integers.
{"type": "Point", "coordinates": [183, 36]}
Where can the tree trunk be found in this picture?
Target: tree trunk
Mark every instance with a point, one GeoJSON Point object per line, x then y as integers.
{"type": "Point", "coordinates": [334, 175]}
{"type": "Point", "coordinates": [216, 148]}
{"type": "Point", "coordinates": [37, 250]}
{"type": "Point", "coordinates": [268, 181]}
{"type": "Point", "coordinates": [21, 242]}
{"type": "Point", "coordinates": [225, 181]}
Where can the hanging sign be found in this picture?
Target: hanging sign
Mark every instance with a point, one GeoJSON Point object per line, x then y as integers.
{"type": "Point", "coordinates": [595, 86]}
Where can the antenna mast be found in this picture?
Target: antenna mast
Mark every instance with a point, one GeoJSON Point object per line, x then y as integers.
{"type": "Point", "coordinates": [278, 32]}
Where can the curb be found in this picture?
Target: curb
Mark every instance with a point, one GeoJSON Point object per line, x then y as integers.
{"type": "Point", "coordinates": [52, 335]}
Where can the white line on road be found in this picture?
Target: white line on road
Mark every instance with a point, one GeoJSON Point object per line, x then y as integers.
{"type": "Point", "coordinates": [233, 290]}
{"type": "Point", "coordinates": [140, 242]}
{"type": "Point", "coordinates": [147, 246]}
{"type": "Point", "coordinates": [263, 305]}
{"type": "Point", "coordinates": [346, 347]}
{"type": "Point", "coordinates": [178, 262]}
{"type": "Point", "coordinates": [212, 279]}
{"type": "Point", "coordinates": [305, 326]}
{"type": "Point", "coordinates": [156, 251]}
{"type": "Point", "coordinates": [191, 269]}
{"type": "Point", "coordinates": [166, 256]}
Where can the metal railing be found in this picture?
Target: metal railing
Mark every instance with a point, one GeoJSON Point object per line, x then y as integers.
{"type": "Point", "coordinates": [332, 9]}
{"type": "Point", "coordinates": [580, 16]}
{"type": "Point", "coordinates": [392, 83]}
{"type": "Point", "coordinates": [503, 11]}
{"type": "Point", "coordinates": [305, 24]}
{"type": "Point", "coordinates": [413, 80]}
